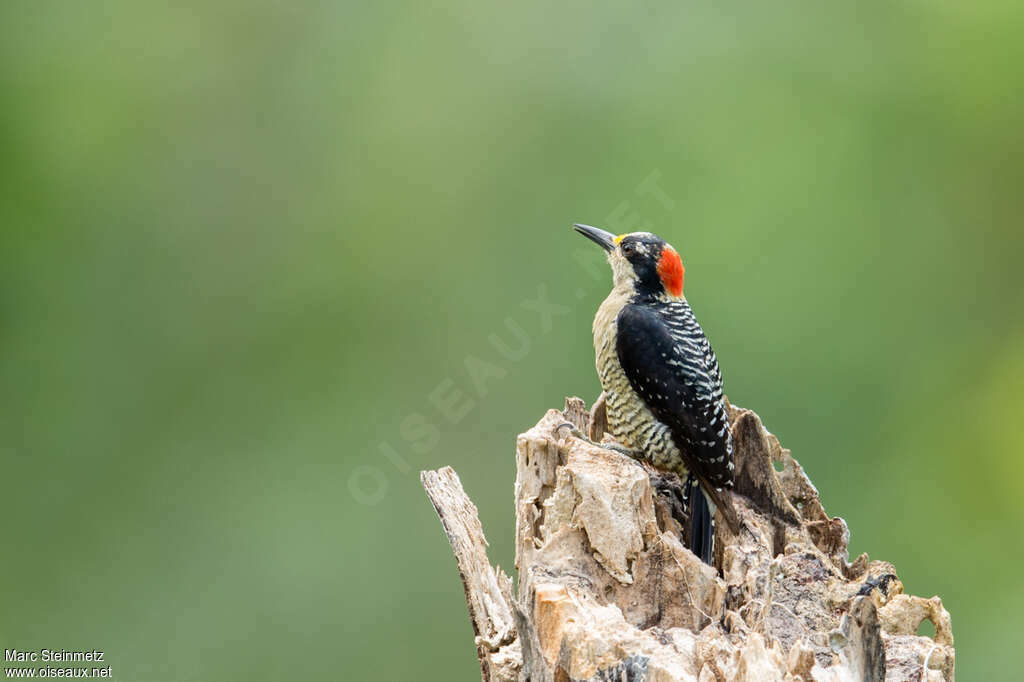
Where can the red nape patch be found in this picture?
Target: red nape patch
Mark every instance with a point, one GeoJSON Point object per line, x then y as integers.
{"type": "Point", "coordinates": [671, 271]}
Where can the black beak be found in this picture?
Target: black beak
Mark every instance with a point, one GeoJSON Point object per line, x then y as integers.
{"type": "Point", "coordinates": [606, 240]}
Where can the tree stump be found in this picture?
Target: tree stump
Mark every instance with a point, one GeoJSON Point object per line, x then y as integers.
{"type": "Point", "coordinates": [607, 590]}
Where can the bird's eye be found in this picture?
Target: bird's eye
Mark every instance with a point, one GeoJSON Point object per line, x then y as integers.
{"type": "Point", "coordinates": [628, 249]}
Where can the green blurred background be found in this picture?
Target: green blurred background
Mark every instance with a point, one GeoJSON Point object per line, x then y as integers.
{"type": "Point", "coordinates": [244, 242]}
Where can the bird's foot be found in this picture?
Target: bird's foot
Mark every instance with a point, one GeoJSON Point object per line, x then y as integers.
{"type": "Point", "coordinates": [571, 429]}
{"type": "Point", "coordinates": [622, 450]}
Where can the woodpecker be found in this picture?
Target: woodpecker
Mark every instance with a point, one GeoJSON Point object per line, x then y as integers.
{"type": "Point", "coordinates": [661, 381]}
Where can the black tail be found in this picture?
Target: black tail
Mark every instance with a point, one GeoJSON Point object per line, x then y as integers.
{"type": "Point", "coordinates": [702, 523]}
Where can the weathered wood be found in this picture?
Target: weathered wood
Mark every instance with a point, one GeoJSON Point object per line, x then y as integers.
{"type": "Point", "coordinates": [488, 591]}
{"type": "Point", "coordinates": [608, 591]}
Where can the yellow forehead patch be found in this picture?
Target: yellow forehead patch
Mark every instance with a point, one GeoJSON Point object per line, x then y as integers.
{"type": "Point", "coordinates": [620, 238]}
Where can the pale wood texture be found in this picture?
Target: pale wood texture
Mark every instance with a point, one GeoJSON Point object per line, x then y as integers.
{"type": "Point", "coordinates": [488, 591]}
{"type": "Point", "coordinates": [607, 590]}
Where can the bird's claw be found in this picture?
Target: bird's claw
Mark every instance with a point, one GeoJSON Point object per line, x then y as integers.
{"type": "Point", "coordinates": [572, 430]}
{"type": "Point", "coordinates": [623, 450]}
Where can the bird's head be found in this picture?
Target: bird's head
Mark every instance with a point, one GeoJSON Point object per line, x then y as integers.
{"type": "Point", "coordinates": [640, 260]}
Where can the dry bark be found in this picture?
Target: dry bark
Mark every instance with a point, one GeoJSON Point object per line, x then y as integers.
{"type": "Point", "coordinates": [608, 591]}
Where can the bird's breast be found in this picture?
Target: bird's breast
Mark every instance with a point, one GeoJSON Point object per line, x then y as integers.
{"type": "Point", "coordinates": [629, 419]}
